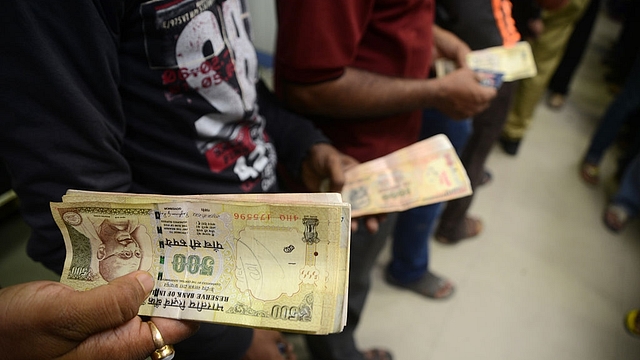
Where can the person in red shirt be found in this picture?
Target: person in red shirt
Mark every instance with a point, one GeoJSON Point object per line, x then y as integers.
{"type": "Point", "coordinates": [360, 70]}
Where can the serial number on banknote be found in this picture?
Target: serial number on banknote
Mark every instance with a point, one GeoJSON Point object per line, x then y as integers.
{"type": "Point", "coordinates": [255, 216]}
{"type": "Point", "coordinates": [265, 216]}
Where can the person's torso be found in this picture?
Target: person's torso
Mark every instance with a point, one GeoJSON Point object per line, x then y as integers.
{"type": "Point", "coordinates": [188, 73]}
{"type": "Point", "coordinates": [479, 23]}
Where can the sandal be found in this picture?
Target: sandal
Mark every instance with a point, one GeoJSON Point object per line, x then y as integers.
{"type": "Point", "coordinates": [376, 354]}
{"type": "Point", "coordinates": [590, 173]}
{"type": "Point", "coordinates": [430, 285]}
{"type": "Point", "coordinates": [470, 227]}
{"type": "Point", "coordinates": [556, 101]}
{"type": "Point", "coordinates": [486, 178]}
{"type": "Point", "coordinates": [615, 217]}
{"type": "Point", "coordinates": [631, 323]}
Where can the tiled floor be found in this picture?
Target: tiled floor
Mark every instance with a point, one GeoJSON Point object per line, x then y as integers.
{"type": "Point", "coordinates": [545, 280]}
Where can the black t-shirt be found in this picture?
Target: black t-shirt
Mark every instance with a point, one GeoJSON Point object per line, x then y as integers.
{"type": "Point", "coordinates": [132, 96]}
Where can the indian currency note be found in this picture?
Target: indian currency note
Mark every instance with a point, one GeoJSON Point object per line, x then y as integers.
{"type": "Point", "coordinates": [276, 266]}
{"type": "Point", "coordinates": [514, 63]}
{"type": "Point", "coordinates": [281, 198]}
{"type": "Point", "coordinates": [504, 64]}
{"type": "Point", "coordinates": [426, 172]}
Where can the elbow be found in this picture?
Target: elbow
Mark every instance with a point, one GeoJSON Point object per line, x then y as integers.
{"type": "Point", "coordinates": [303, 99]}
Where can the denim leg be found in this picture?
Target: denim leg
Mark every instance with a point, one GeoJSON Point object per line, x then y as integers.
{"type": "Point", "coordinates": [410, 259]}
{"type": "Point", "coordinates": [434, 122]}
{"type": "Point", "coordinates": [616, 115]}
{"type": "Point", "coordinates": [629, 193]}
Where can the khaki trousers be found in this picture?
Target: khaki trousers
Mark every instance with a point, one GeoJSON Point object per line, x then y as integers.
{"type": "Point", "coordinates": [548, 50]}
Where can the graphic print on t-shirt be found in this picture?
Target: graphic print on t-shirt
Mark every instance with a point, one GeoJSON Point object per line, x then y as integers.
{"type": "Point", "coordinates": [204, 46]}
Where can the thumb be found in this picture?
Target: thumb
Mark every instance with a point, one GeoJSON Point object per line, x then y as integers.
{"type": "Point", "coordinates": [111, 305]}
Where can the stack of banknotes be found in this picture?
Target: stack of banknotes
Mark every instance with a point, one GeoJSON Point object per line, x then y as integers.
{"type": "Point", "coordinates": [496, 64]}
{"type": "Point", "coordinates": [274, 261]}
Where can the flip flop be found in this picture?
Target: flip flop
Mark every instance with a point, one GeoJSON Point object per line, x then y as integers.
{"type": "Point", "coordinates": [430, 285]}
{"type": "Point", "coordinates": [631, 323]}
{"type": "Point", "coordinates": [486, 178]}
{"type": "Point", "coordinates": [471, 227]}
{"type": "Point", "coordinates": [590, 173]}
{"type": "Point", "coordinates": [376, 354]}
{"type": "Point", "coordinates": [615, 217]}
{"type": "Point", "coordinates": [556, 101]}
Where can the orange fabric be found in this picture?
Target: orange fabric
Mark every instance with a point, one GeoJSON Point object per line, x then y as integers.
{"type": "Point", "coordinates": [504, 21]}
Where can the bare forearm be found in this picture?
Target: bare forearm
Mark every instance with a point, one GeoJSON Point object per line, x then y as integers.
{"type": "Point", "coordinates": [360, 94]}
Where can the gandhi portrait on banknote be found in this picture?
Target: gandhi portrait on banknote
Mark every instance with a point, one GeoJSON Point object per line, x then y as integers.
{"type": "Point", "coordinates": [122, 248]}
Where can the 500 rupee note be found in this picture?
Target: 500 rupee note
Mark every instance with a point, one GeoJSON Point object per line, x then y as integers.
{"type": "Point", "coordinates": [276, 266]}
{"type": "Point", "coordinates": [514, 63]}
{"type": "Point", "coordinates": [426, 172]}
{"type": "Point", "coordinates": [508, 63]}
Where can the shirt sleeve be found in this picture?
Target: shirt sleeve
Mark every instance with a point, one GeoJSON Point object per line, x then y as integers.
{"type": "Point", "coordinates": [309, 56]}
{"type": "Point", "coordinates": [293, 135]}
{"type": "Point", "coordinates": [63, 123]}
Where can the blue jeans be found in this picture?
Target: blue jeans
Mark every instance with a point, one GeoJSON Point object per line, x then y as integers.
{"type": "Point", "coordinates": [410, 260]}
{"type": "Point", "coordinates": [628, 195]}
{"type": "Point", "coordinates": [618, 112]}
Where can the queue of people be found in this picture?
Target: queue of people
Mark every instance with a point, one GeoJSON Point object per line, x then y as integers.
{"type": "Point", "coordinates": [164, 97]}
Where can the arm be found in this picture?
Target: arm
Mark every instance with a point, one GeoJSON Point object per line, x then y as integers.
{"type": "Point", "coordinates": [62, 118]}
{"type": "Point", "coordinates": [303, 149]}
{"type": "Point", "coordinates": [331, 87]}
{"type": "Point", "coordinates": [448, 45]}
{"type": "Point", "coordinates": [361, 94]}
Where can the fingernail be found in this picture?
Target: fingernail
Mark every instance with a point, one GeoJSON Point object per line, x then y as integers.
{"type": "Point", "coordinates": [146, 280]}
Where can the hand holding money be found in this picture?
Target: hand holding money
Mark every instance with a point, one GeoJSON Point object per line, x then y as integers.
{"type": "Point", "coordinates": [102, 321]}
{"type": "Point", "coordinates": [505, 63]}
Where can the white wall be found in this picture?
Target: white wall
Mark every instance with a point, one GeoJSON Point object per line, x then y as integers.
{"type": "Point", "coordinates": [263, 15]}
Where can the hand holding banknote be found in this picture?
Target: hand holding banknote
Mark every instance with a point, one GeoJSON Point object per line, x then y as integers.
{"type": "Point", "coordinates": [463, 95]}
{"type": "Point", "coordinates": [323, 170]}
{"type": "Point", "coordinates": [273, 261]}
{"type": "Point", "coordinates": [325, 162]}
{"type": "Point", "coordinates": [46, 320]}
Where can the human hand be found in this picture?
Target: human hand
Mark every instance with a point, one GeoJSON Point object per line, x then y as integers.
{"type": "Point", "coordinates": [371, 222]}
{"type": "Point", "coordinates": [269, 345]}
{"type": "Point", "coordinates": [536, 27]}
{"type": "Point", "coordinates": [325, 162]}
{"type": "Point", "coordinates": [46, 320]}
{"type": "Point", "coordinates": [446, 44]}
{"type": "Point", "coordinates": [461, 95]}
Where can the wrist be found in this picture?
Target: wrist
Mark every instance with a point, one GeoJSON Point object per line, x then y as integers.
{"type": "Point", "coordinates": [432, 94]}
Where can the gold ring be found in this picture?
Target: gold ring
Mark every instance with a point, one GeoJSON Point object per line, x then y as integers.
{"type": "Point", "coordinates": [158, 341]}
{"type": "Point", "coordinates": [163, 351]}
